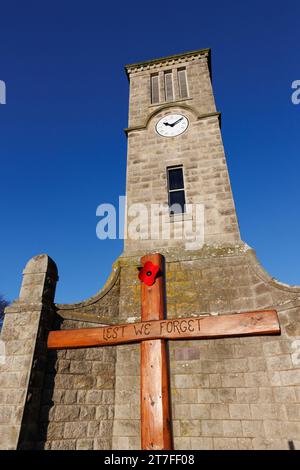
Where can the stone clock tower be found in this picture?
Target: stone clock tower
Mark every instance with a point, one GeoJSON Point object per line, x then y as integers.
{"type": "Point", "coordinates": [175, 152]}
{"type": "Point", "coordinates": [234, 393]}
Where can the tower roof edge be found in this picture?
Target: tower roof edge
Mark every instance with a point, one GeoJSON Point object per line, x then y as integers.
{"type": "Point", "coordinates": [175, 57]}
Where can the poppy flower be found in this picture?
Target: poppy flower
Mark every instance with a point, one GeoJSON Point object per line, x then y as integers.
{"type": "Point", "coordinates": [148, 273]}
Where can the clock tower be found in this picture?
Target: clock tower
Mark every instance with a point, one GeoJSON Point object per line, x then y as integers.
{"type": "Point", "coordinates": [176, 158]}
{"type": "Point", "coordinates": [226, 393]}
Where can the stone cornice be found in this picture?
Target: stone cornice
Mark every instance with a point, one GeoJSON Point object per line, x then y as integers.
{"type": "Point", "coordinates": [19, 306]}
{"type": "Point", "coordinates": [169, 60]}
{"type": "Point", "coordinates": [213, 253]}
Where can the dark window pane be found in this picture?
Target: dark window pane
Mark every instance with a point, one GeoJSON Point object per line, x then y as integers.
{"type": "Point", "coordinates": [154, 89]}
{"type": "Point", "coordinates": [175, 178]}
{"type": "Point", "coordinates": [168, 86]}
{"type": "Point", "coordinates": [182, 83]}
{"type": "Point", "coordinates": [178, 198]}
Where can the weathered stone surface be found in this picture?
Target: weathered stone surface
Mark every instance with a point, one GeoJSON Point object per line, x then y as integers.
{"type": "Point", "coordinates": [23, 333]}
{"type": "Point", "coordinates": [84, 444]}
{"type": "Point", "coordinates": [69, 444]}
{"type": "Point", "coordinates": [75, 430]}
{"type": "Point", "coordinates": [224, 392]}
{"type": "Point", "coordinates": [199, 149]}
{"type": "Point", "coordinates": [67, 413]}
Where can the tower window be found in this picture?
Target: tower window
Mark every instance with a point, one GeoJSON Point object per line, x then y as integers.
{"type": "Point", "coordinates": [154, 89]}
{"type": "Point", "coordinates": [176, 190]}
{"type": "Point", "coordinates": [182, 81]}
{"type": "Point", "coordinates": [169, 86]}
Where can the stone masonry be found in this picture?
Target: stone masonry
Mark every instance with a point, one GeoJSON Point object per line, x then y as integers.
{"type": "Point", "coordinates": [237, 393]}
{"type": "Point", "coordinates": [199, 150]}
{"type": "Point", "coordinates": [23, 334]}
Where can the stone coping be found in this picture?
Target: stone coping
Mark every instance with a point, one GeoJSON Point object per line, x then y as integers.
{"type": "Point", "coordinates": [73, 311]}
{"type": "Point", "coordinates": [171, 58]}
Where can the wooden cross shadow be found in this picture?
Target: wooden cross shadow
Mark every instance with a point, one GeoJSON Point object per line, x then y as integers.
{"type": "Point", "coordinates": [153, 332]}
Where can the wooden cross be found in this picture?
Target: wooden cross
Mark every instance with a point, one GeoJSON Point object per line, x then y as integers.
{"type": "Point", "coordinates": [152, 332]}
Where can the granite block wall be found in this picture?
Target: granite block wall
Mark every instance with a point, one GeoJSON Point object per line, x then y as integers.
{"type": "Point", "coordinates": [233, 393]}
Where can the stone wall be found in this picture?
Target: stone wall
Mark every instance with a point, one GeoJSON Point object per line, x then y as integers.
{"type": "Point", "coordinates": [55, 399]}
{"type": "Point", "coordinates": [199, 86]}
{"type": "Point", "coordinates": [78, 399]}
{"type": "Point", "coordinates": [235, 393]}
{"type": "Point", "coordinates": [199, 150]}
{"type": "Point", "coordinates": [22, 367]}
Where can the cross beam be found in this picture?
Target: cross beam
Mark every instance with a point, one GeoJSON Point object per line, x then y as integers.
{"type": "Point", "coordinates": [153, 332]}
{"type": "Point", "coordinates": [204, 327]}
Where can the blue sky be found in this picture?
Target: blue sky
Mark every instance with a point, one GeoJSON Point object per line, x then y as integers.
{"type": "Point", "coordinates": [62, 146]}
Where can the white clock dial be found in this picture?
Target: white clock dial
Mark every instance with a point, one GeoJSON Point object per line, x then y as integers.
{"type": "Point", "coordinates": [172, 125]}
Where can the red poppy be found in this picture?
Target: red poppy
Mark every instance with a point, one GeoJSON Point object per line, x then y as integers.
{"type": "Point", "coordinates": [148, 273]}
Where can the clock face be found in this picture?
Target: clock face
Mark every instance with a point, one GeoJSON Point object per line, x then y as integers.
{"type": "Point", "coordinates": [172, 125]}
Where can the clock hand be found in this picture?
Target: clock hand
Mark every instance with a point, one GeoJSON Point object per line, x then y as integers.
{"type": "Point", "coordinates": [174, 123]}
{"type": "Point", "coordinates": [167, 124]}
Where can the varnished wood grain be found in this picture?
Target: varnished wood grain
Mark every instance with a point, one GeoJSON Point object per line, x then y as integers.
{"type": "Point", "coordinates": [238, 324]}
{"type": "Point", "coordinates": [156, 426]}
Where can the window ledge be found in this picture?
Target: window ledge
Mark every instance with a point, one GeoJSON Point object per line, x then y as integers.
{"type": "Point", "coordinates": [171, 218]}
{"type": "Point", "coordinates": [161, 103]}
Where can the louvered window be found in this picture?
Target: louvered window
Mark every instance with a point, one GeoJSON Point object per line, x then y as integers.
{"type": "Point", "coordinates": [154, 89]}
{"type": "Point", "coordinates": [176, 190]}
{"type": "Point", "coordinates": [183, 89]}
{"type": "Point", "coordinates": [169, 86]}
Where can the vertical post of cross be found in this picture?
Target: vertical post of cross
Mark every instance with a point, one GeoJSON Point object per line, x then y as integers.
{"type": "Point", "coordinates": [156, 427]}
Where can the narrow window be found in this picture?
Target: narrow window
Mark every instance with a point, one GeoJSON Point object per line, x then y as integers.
{"type": "Point", "coordinates": [169, 86]}
{"type": "Point", "coordinates": [154, 89]}
{"type": "Point", "coordinates": [182, 81]}
{"type": "Point", "coordinates": [176, 190]}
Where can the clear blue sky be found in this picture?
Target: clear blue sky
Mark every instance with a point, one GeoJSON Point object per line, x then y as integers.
{"type": "Point", "coordinates": [62, 146]}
